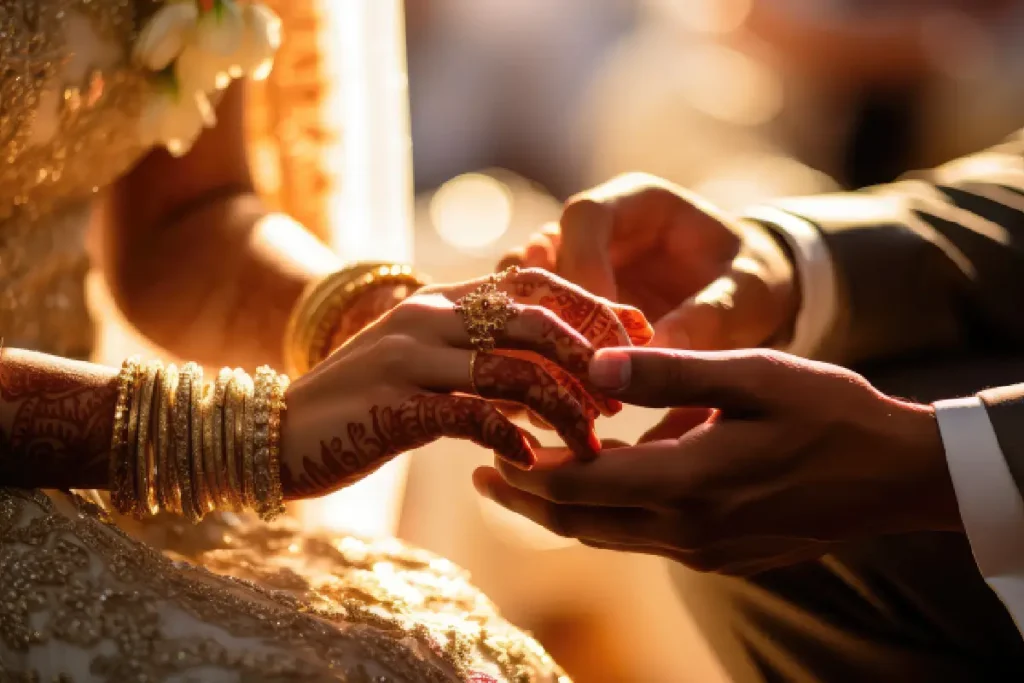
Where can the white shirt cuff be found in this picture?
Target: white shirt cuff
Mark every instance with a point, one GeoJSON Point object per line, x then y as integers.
{"type": "Point", "coordinates": [990, 503]}
{"type": "Point", "coordinates": [816, 275]}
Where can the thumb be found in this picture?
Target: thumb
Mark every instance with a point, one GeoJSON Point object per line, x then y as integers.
{"type": "Point", "coordinates": [586, 231]}
{"type": "Point", "coordinates": [737, 382]}
{"type": "Point", "coordinates": [738, 310]}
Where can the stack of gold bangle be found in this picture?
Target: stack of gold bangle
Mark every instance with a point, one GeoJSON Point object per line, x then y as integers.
{"type": "Point", "coordinates": [190, 448]}
{"type": "Point", "coordinates": [320, 310]}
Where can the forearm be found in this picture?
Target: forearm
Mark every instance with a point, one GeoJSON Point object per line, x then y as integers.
{"type": "Point", "coordinates": [56, 421]}
{"type": "Point", "coordinates": [218, 283]}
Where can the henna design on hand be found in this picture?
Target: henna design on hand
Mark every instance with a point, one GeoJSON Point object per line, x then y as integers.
{"type": "Point", "coordinates": [390, 431]}
{"type": "Point", "coordinates": [595, 319]}
{"type": "Point", "coordinates": [506, 378]}
{"type": "Point", "coordinates": [567, 359]}
{"type": "Point", "coordinates": [59, 428]}
{"type": "Point", "coordinates": [639, 330]}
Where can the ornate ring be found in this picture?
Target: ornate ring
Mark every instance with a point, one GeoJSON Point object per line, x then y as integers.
{"type": "Point", "coordinates": [485, 313]}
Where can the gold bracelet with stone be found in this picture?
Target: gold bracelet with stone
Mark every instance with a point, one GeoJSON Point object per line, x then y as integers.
{"type": "Point", "coordinates": [166, 468]}
{"type": "Point", "coordinates": [120, 451]}
{"type": "Point", "coordinates": [183, 441]}
{"type": "Point", "coordinates": [321, 308]}
{"type": "Point", "coordinates": [145, 485]}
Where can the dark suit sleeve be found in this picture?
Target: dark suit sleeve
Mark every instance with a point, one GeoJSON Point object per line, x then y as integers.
{"type": "Point", "coordinates": [1005, 406]}
{"type": "Point", "coordinates": [931, 262]}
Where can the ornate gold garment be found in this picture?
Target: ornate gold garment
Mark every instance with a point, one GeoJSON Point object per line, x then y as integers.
{"type": "Point", "coordinates": [229, 600]}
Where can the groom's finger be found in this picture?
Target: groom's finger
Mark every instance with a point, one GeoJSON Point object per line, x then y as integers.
{"type": "Point", "coordinates": [742, 382]}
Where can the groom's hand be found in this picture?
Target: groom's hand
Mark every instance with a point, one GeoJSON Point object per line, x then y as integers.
{"type": "Point", "coordinates": [708, 280]}
{"type": "Point", "coordinates": [797, 456]}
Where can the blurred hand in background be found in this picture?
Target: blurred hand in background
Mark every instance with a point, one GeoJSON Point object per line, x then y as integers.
{"type": "Point", "coordinates": [708, 280]}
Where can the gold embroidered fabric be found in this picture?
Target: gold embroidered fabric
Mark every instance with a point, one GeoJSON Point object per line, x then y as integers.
{"type": "Point", "coordinates": [85, 599]}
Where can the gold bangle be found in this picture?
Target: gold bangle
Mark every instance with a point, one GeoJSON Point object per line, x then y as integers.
{"type": "Point", "coordinates": [145, 492]}
{"type": "Point", "coordinates": [183, 442]}
{"type": "Point", "coordinates": [248, 432]}
{"type": "Point", "coordinates": [166, 476]}
{"type": "Point", "coordinates": [232, 426]}
{"type": "Point", "coordinates": [322, 306]}
{"type": "Point", "coordinates": [263, 380]}
{"type": "Point", "coordinates": [275, 502]}
{"type": "Point", "coordinates": [120, 455]}
{"type": "Point", "coordinates": [199, 488]}
{"type": "Point", "coordinates": [219, 476]}
{"type": "Point", "coordinates": [132, 504]}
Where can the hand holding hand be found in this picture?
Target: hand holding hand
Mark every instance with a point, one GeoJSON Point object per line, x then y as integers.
{"type": "Point", "coordinates": [708, 281]}
{"type": "Point", "coordinates": [798, 456]}
{"type": "Point", "coordinates": [411, 377]}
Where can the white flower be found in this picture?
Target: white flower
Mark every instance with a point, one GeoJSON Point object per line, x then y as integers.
{"type": "Point", "coordinates": [198, 70]}
{"type": "Point", "coordinates": [174, 118]}
{"type": "Point", "coordinates": [164, 36]}
{"type": "Point", "coordinates": [261, 38]}
{"type": "Point", "coordinates": [219, 28]}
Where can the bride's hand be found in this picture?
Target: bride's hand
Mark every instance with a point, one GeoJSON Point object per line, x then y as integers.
{"type": "Point", "coordinates": [405, 381]}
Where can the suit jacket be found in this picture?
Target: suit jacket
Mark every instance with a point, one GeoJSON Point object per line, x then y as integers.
{"type": "Point", "coordinates": [934, 262]}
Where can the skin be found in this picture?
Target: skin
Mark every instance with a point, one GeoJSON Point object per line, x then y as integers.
{"type": "Point", "coordinates": [798, 456]}
{"type": "Point", "coordinates": [411, 380]}
{"type": "Point", "coordinates": [199, 265]}
{"type": "Point", "coordinates": [765, 459]}
{"type": "Point", "coordinates": [707, 280]}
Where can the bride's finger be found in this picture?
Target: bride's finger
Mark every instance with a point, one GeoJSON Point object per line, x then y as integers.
{"type": "Point", "coordinates": [563, 351]}
{"type": "Point", "coordinates": [514, 379]}
{"type": "Point", "coordinates": [425, 418]}
{"type": "Point", "coordinates": [597, 319]}
{"type": "Point", "coordinates": [594, 404]}
{"type": "Point", "coordinates": [505, 378]}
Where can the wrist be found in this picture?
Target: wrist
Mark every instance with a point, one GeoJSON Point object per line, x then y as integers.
{"type": "Point", "coordinates": [929, 503]}
{"type": "Point", "coordinates": [338, 306]}
{"type": "Point", "coordinates": [778, 268]}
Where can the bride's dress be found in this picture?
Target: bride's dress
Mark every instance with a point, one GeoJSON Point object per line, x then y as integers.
{"type": "Point", "coordinates": [84, 599]}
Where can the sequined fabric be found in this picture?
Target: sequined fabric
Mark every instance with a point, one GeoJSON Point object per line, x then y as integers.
{"type": "Point", "coordinates": [83, 598]}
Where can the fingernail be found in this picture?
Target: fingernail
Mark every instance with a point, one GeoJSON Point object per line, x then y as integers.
{"type": "Point", "coordinates": [611, 369]}
{"type": "Point", "coordinates": [594, 443]}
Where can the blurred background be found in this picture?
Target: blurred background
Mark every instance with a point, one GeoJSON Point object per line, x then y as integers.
{"type": "Point", "coordinates": [513, 106]}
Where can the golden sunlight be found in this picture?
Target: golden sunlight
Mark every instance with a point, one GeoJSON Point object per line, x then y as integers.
{"type": "Point", "coordinates": [471, 211]}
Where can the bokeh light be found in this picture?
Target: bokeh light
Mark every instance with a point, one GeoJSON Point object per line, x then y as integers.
{"type": "Point", "coordinates": [471, 211]}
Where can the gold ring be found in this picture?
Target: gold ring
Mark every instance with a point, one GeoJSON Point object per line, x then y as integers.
{"type": "Point", "coordinates": [485, 313]}
{"type": "Point", "coordinates": [472, 371]}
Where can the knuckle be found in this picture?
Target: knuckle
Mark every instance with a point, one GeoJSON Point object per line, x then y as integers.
{"type": "Point", "coordinates": [395, 350]}
{"type": "Point", "coordinates": [407, 313]}
{"type": "Point", "coordinates": [536, 323]}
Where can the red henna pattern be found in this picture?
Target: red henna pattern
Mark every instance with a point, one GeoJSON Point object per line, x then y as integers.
{"type": "Point", "coordinates": [61, 431]}
{"type": "Point", "coordinates": [513, 379]}
{"type": "Point", "coordinates": [639, 330]}
{"type": "Point", "coordinates": [416, 422]}
{"type": "Point", "coordinates": [593, 319]}
{"type": "Point", "coordinates": [566, 359]}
